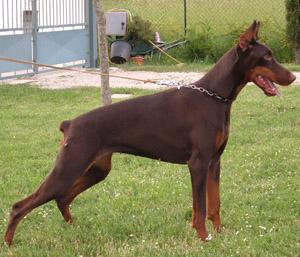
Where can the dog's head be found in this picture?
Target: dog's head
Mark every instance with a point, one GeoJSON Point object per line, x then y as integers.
{"type": "Point", "coordinates": [262, 68]}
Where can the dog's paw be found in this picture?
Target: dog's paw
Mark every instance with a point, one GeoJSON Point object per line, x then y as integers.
{"type": "Point", "coordinates": [205, 237]}
{"type": "Point", "coordinates": [208, 238]}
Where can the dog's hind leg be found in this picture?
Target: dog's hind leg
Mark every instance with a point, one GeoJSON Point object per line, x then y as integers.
{"type": "Point", "coordinates": [21, 208]}
{"type": "Point", "coordinates": [96, 173]}
{"type": "Point", "coordinates": [63, 176]}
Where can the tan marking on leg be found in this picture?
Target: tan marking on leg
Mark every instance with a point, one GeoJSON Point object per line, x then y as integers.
{"type": "Point", "coordinates": [213, 202]}
{"type": "Point", "coordinates": [96, 172]}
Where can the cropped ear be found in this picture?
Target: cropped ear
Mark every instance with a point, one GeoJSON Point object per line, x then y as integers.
{"type": "Point", "coordinates": [249, 37]}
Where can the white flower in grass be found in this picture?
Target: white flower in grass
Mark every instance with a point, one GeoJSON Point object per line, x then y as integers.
{"type": "Point", "coordinates": [262, 228]}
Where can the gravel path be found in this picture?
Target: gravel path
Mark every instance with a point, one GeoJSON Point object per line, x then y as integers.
{"type": "Point", "coordinates": [68, 79]}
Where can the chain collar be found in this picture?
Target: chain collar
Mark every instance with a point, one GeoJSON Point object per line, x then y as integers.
{"type": "Point", "coordinates": [180, 84]}
{"type": "Point", "coordinates": [207, 92]}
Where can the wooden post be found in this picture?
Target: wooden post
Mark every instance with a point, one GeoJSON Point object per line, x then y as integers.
{"type": "Point", "coordinates": [34, 34]}
{"type": "Point", "coordinates": [103, 49]}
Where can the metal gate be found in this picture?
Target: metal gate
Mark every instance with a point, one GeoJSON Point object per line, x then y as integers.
{"type": "Point", "coordinates": [60, 32]}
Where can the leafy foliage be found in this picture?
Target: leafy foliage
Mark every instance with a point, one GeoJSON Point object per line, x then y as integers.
{"type": "Point", "coordinates": [205, 45]}
{"type": "Point", "coordinates": [293, 22]}
{"type": "Point", "coordinates": [139, 30]}
{"type": "Point", "coordinates": [199, 45]}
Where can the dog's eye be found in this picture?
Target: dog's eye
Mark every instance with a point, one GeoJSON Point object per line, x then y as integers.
{"type": "Point", "coordinates": [268, 57]}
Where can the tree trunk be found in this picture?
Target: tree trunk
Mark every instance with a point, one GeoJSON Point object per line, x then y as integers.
{"type": "Point", "coordinates": [297, 56]}
{"type": "Point", "coordinates": [104, 62]}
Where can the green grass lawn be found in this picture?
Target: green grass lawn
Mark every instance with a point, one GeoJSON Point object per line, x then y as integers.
{"type": "Point", "coordinates": [143, 208]}
{"type": "Point", "coordinates": [165, 65]}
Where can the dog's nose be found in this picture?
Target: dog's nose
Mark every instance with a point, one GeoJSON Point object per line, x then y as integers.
{"type": "Point", "coordinates": [292, 77]}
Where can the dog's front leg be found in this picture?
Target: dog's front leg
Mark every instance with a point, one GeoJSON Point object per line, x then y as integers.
{"type": "Point", "coordinates": [198, 166]}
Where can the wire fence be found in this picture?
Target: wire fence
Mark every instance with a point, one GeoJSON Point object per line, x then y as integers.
{"type": "Point", "coordinates": [173, 17]}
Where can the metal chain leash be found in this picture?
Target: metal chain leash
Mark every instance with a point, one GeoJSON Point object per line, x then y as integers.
{"type": "Point", "coordinates": [172, 83]}
{"type": "Point", "coordinates": [181, 84]}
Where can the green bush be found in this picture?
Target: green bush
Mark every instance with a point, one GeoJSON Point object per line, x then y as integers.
{"type": "Point", "coordinates": [206, 46]}
{"type": "Point", "coordinates": [139, 30]}
{"type": "Point", "coordinates": [199, 46]}
{"type": "Point", "coordinates": [293, 26]}
{"type": "Point", "coordinates": [276, 40]}
{"type": "Point", "coordinates": [293, 22]}
{"type": "Point", "coordinates": [222, 43]}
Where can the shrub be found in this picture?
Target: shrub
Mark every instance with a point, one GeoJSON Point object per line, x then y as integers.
{"type": "Point", "coordinates": [139, 30]}
{"type": "Point", "coordinates": [276, 40]}
{"type": "Point", "coordinates": [293, 26]}
{"type": "Point", "coordinates": [222, 43]}
{"type": "Point", "coordinates": [207, 46]}
{"type": "Point", "coordinates": [199, 45]}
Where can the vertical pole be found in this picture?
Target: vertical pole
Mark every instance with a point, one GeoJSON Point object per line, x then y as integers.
{"type": "Point", "coordinates": [34, 33]}
{"type": "Point", "coordinates": [184, 15]}
{"type": "Point", "coordinates": [103, 49]}
{"type": "Point", "coordinates": [91, 21]}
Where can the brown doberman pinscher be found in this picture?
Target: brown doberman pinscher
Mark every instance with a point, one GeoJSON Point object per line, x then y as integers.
{"type": "Point", "coordinates": [189, 126]}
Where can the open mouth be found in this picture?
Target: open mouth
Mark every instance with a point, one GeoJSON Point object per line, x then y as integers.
{"type": "Point", "coordinates": [266, 85]}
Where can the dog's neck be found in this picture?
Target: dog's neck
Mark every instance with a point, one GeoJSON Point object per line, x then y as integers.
{"type": "Point", "coordinates": [224, 78]}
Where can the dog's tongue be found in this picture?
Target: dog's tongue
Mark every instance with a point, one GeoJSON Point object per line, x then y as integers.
{"type": "Point", "coordinates": [268, 87]}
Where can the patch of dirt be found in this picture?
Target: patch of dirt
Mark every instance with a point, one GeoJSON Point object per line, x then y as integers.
{"type": "Point", "coordinates": [69, 79]}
